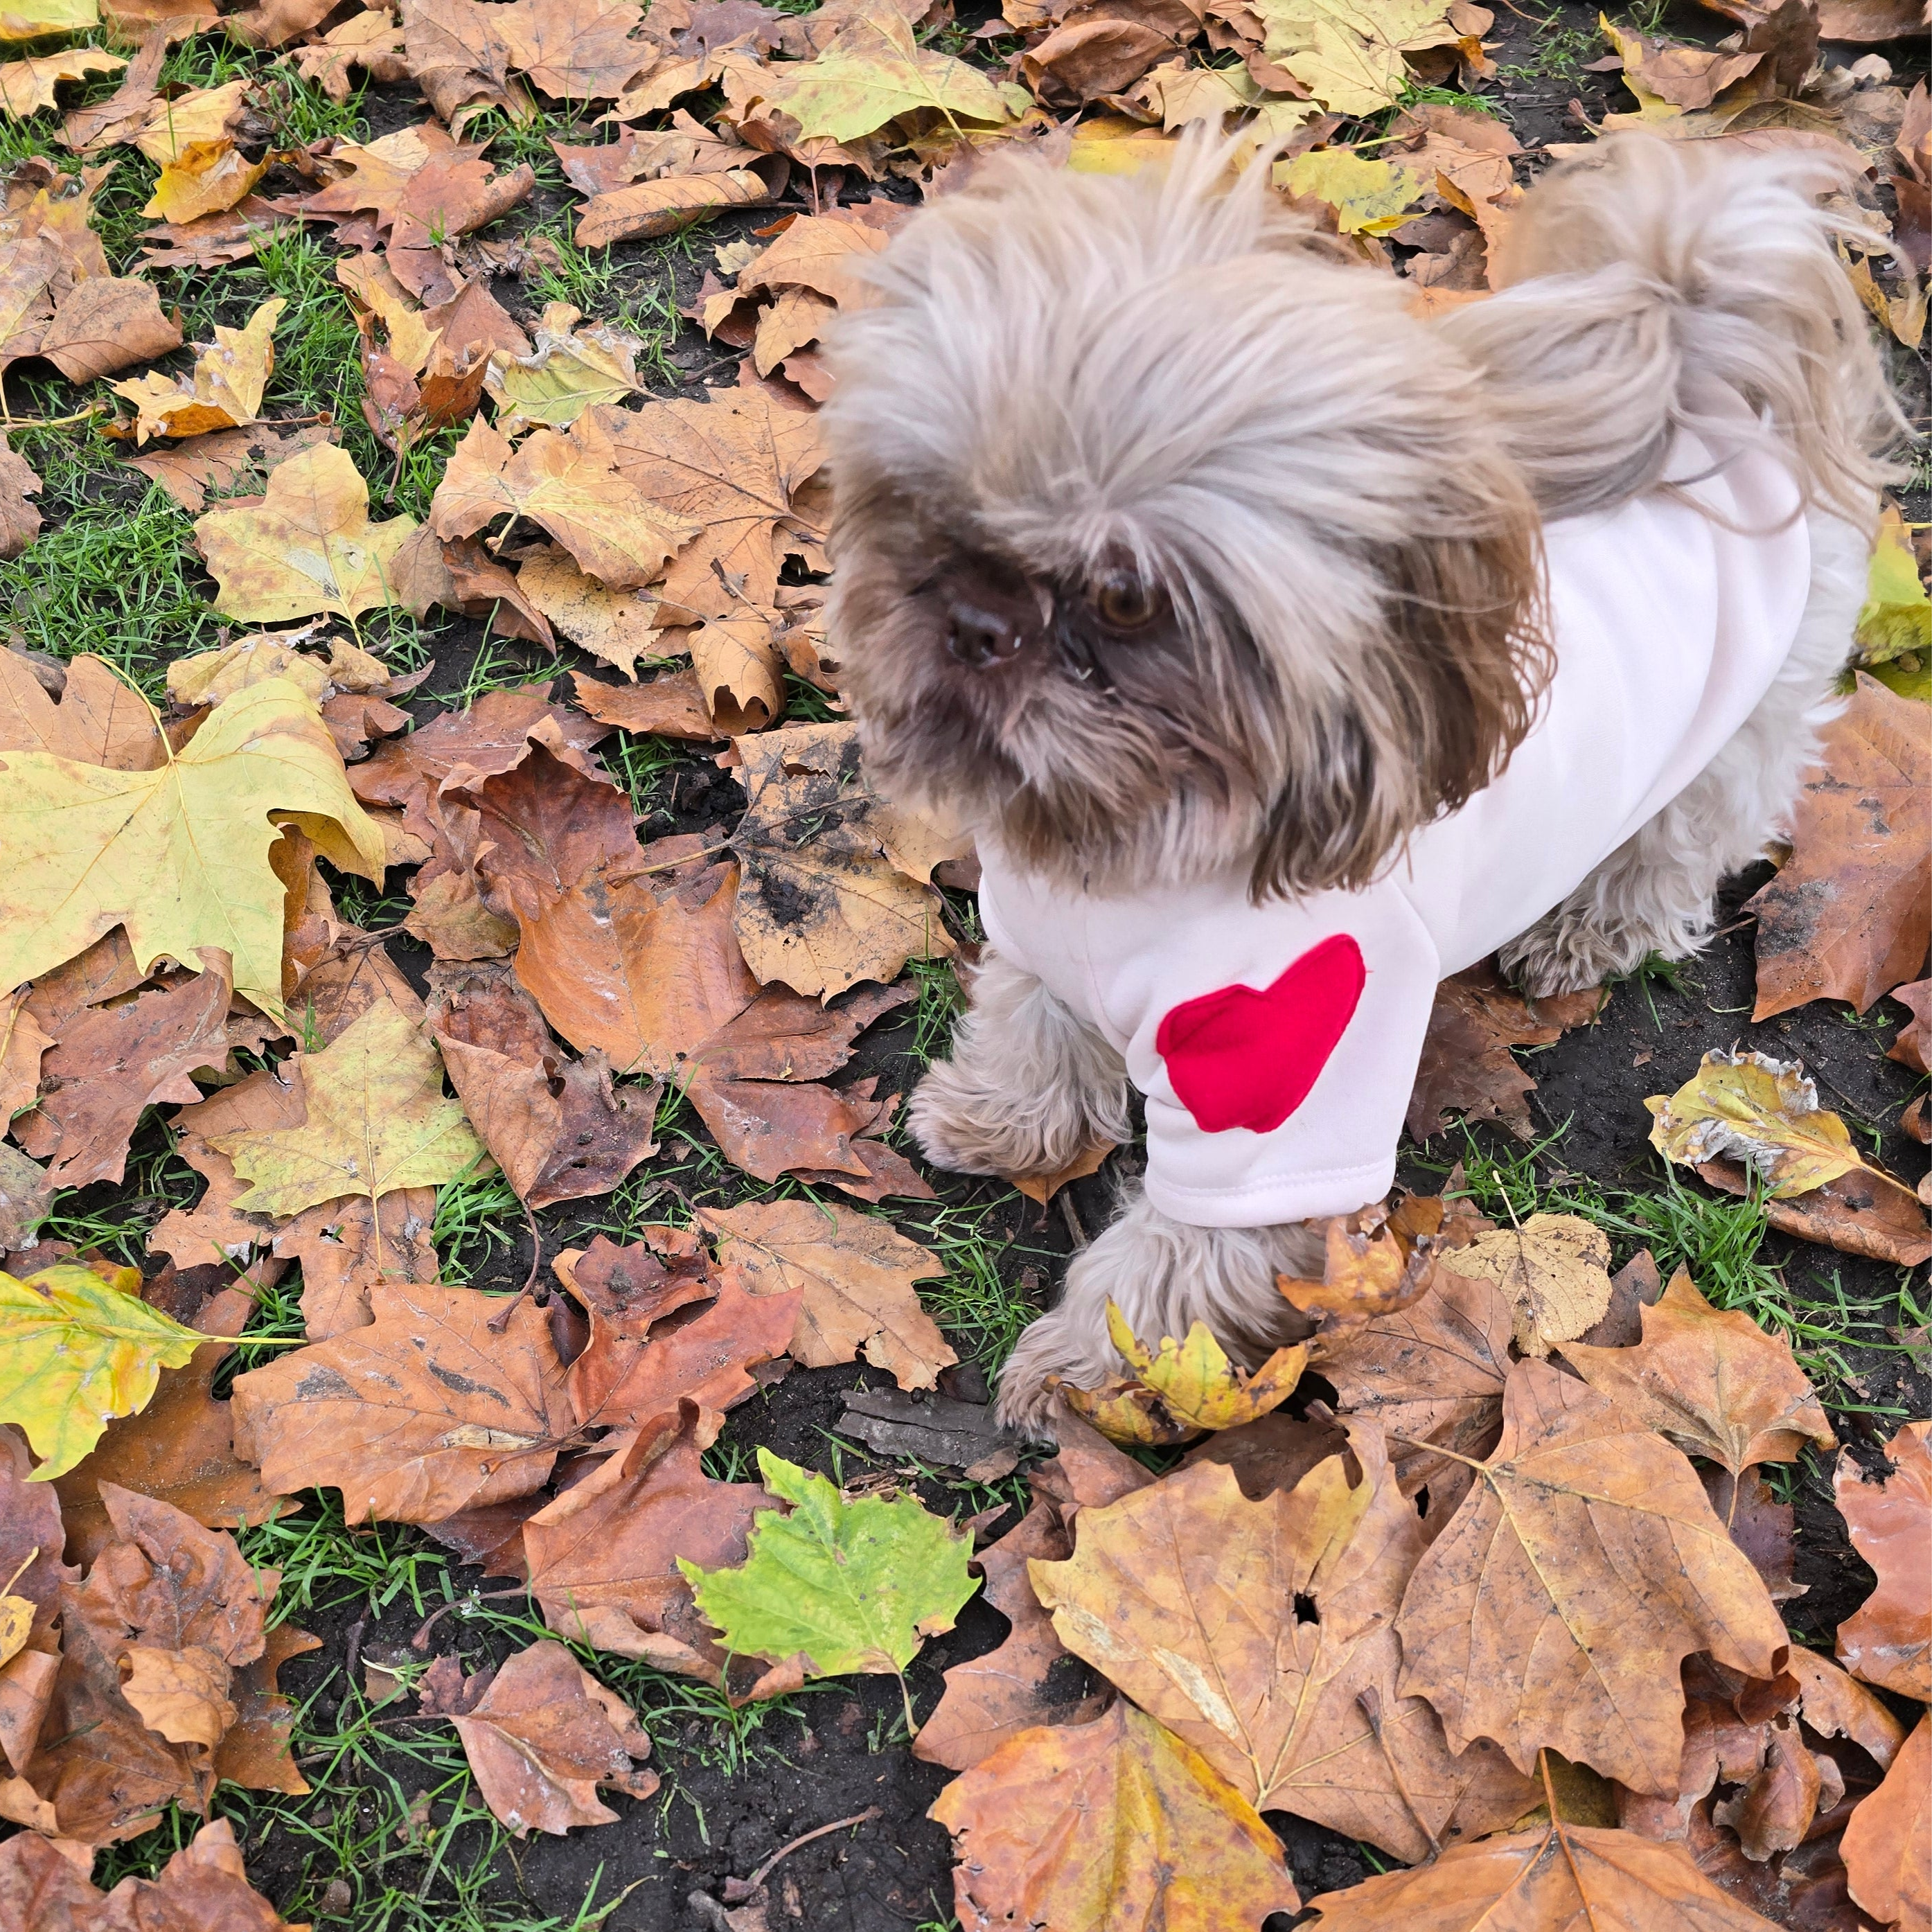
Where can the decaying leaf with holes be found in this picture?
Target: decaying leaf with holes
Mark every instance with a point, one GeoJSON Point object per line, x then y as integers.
{"type": "Point", "coordinates": [1555, 1269]}
{"type": "Point", "coordinates": [1183, 1388]}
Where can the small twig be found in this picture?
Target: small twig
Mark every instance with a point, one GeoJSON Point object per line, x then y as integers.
{"type": "Point", "coordinates": [1072, 1219]}
{"type": "Point", "coordinates": [499, 1322]}
{"type": "Point", "coordinates": [1369, 1703]}
{"type": "Point", "coordinates": [421, 1640]}
{"type": "Point", "coordinates": [353, 1655]}
{"type": "Point", "coordinates": [758, 1877]}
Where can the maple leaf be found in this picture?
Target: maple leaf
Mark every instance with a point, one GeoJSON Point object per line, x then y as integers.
{"type": "Point", "coordinates": [80, 1348]}
{"type": "Point", "coordinates": [733, 464]}
{"type": "Point", "coordinates": [1555, 1606]}
{"type": "Point", "coordinates": [627, 1373]}
{"type": "Point", "coordinates": [1347, 53]}
{"type": "Point", "coordinates": [1555, 1269]}
{"type": "Point", "coordinates": [1374, 1263]}
{"type": "Point", "coordinates": [603, 1555]}
{"type": "Point", "coordinates": [662, 207]}
{"type": "Point", "coordinates": [178, 855]}
{"type": "Point", "coordinates": [1116, 1823]}
{"type": "Point", "coordinates": [1888, 1639]}
{"type": "Point", "coordinates": [1888, 1864]}
{"type": "Point", "coordinates": [577, 50]}
{"type": "Point", "coordinates": [220, 460]}
{"type": "Point", "coordinates": [857, 1274]}
{"type": "Point", "coordinates": [204, 178]}
{"type": "Point", "coordinates": [19, 520]}
{"type": "Point", "coordinates": [1712, 1381]}
{"type": "Point", "coordinates": [568, 370]}
{"type": "Point", "coordinates": [559, 1129]}
{"type": "Point", "coordinates": [26, 86]}
{"type": "Point", "coordinates": [377, 1122]}
{"type": "Point", "coordinates": [1182, 1387]}
{"type": "Point", "coordinates": [29, 19]}
{"type": "Point", "coordinates": [371, 41]}
{"type": "Point", "coordinates": [1260, 1632]}
{"type": "Point", "coordinates": [425, 1411]}
{"type": "Point", "coordinates": [1369, 196]}
{"type": "Point", "coordinates": [203, 1886]}
{"type": "Point", "coordinates": [565, 485]}
{"type": "Point", "coordinates": [619, 626]}
{"type": "Point", "coordinates": [1850, 915]}
{"type": "Point", "coordinates": [873, 72]}
{"type": "Point", "coordinates": [822, 904]}
{"type": "Point", "coordinates": [834, 1587]}
{"type": "Point", "coordinates": [1562, 1875]}
{"type": "Point", "coordinates": [309, 546]}
{"type": "Point", "coordinates": [461, 61]}
{"type": "Point", "coordinates": [739, 671]}
{"type": "Point", "coordinates": [544, 1735]}
{"type": "Point", "coordinates": [223, 391]}
{"type": "Point", "coordinates": [1898, 614]}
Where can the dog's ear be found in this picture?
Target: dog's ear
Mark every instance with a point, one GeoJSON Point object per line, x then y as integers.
{"type": "Point", "coordinates": [1429, 709]}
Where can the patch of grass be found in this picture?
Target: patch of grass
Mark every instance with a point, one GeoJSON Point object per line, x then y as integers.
{"type": "Point", "coordinates": [981, 1311]}
{"type": "Point", "coordinates": [116, 1222]}
{"type": "Point", "coordinates": [941, 1002]}
{"type": "Point", "coordinates": [503, 663]}
{"type": "Point", "coordinates": [640, 299]}
{"type": "Point", "coordinates": [476, 1214]}
{"type": "Point", "coordinates": [1654, 970]}
{"type": "Point", "coordinates": [1558, 53]}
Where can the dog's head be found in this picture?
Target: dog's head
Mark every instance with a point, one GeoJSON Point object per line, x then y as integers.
{"type": "Point", "coordinates": [1164, 539]}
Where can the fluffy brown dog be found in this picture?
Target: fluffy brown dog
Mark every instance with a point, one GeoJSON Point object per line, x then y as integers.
{"type": "Point", "coordinates": [1286, 652]}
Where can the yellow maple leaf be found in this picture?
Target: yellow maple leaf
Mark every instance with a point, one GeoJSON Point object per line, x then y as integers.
{"type": "Point", "coordinates": [178, 855]}
{"type": "Point", "coordinates": [30, 19]}
{"type": "Point", "coordinates": [377, 1121]}
{"type": "Point", "coordinates": [569, 371]}
{"type": "Point", "coordinates": [26, 86]}
{"type": "Point", "coordinates": [205, 178]}
{"type": "Point", "coordinates": [77, 1349]}
{"type": "Point", "coordinates": [222, 390]}
{"type": "Point", "coordinates": [1898, 614]}
{"type": "Point", "coordinates": [1347, 53]}
{"type": "Point", "coordinates": [307, 547]}
{"type": "Point", "coordinates": [1369, 196]}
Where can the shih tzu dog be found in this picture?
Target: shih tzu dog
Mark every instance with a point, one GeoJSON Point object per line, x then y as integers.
{"type": "Point", "coordinates": [1288, 653]}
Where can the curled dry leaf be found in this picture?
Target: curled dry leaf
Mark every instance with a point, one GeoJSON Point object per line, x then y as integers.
{"type": "Point", "coordinates": [1888, 1639]}
{"type": "Point", "coordinates": [1555, 1269]}
{"type": "Point", "coordinates": [370, 41]}
{"type": "Point", "coordinates": [204, 178]}
{"type": "Point", "coordinates": [1887, 1843]}
{"type": "Point", "coordinates": [836, 1587]}
{"type": "Point", "coordinates": [1585, 1564]}
{"type": "Point", "coordinates": [26, 86]}
{"type": "Point", "coordinates": [545, 1736]}
{"type": "Point", "coordinates": [1561, 1875]}
{"type": "Point", "coordinates": [222, 390]}
{"type": "Point", "coordinates": [1182, 1387]}
{"type": "Point", "coordinates": [857, 1275]}
{"type": "Point", "coordinates": [425, 1412]}
{"type": "Point", "coordinates": [203, 1887]}
{"type": "Point", "coordinates": [604, 1555]}
{"type": "Point", "coordinates": [1849, 916]}
{"type": "Point", "coordinates": [1371, 1267]}
{"type": "Point", "coordinates": [1712, 1381]}
{"type": "Point", "coordinates": [569, 369]}
{"type": "Point", "coordinates": [1113, 1822]}
{"type": "Point", "coordinates": [1260, 1631]}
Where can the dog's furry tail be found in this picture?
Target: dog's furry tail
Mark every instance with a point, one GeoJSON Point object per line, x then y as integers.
{"type": "Point", "coordinates": [1650, 288]}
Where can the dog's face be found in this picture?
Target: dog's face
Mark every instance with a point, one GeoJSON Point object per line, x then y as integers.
{"type": "Point", "coordinates": [1162, 540]}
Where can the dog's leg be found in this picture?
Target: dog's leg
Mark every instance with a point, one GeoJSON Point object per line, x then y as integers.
{"type": "Point", "coordinates": [1165, 1275]}
{"type": "Point", "coordinates": [1655, 893]}
{"type": "Point", "coordinates": [1028, 1086]}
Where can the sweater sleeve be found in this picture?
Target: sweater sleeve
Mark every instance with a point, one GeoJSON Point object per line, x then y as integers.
{"type": "Point", "coordinates": [1277, 1046]}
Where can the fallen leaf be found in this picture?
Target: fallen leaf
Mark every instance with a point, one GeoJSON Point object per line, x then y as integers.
{"type": "Point", "coordinates": [545, 1735]}
{"type": "Point", "coordinates": [739, 670]}
{"type": "Point", "coordinates": [1888, 1639]}
{"type": "Point", "coordinates": [223, 391]}
{"type": "Point", "coordinates": [222, 459]}
{"type": "Point", "coordinates": [203, 1887]}
{"type": "Point", "coordinates": [79, 1350]}
{"type": "Point", "coordinates": [1116, 1823]}
{"type": "Point", "coordinates": [1182, 1387]}
{"type": "Point", "coordinates": [26, 86]}
{"type": "Point", "coordinates": [104, 323]}
{"type": "Point", "coordinates": [19, 520]}
{"type": "Point", "coordinates": [1888, 1843]}
{"type": "Point", "coordinates": [578, 49]}
{"type": "Point", "coordinates": [1863, 1212]}
{"type": "Point", "coordinates": [822, 904]}
{"type": "Point", "coordinates": [204, 178]}
{"type": "Point", "coordinates": [604, 1555]}
{"type": "Point", "coordinates": [639, 1363]}
{"type": "Point", "coordinates": [651, 209]}
{"type": "Point", "coordinates": [619, 626]}
{"type": "Point", "coordinates": [460, 60]}
{"type": "Point", "coordinates": [1689, 77]}
{"type": "Point", "coordinates": [371, 41]}
{"type": "Point", "coordinates": [857, 1275]}
{"type": "Point", "coordinates": [1897, 616]}
{"type": "Point", "coordinates": [1556, 1607]}
{"type": "Point", "coordinates": [422, 1413]}
{"type": "Point", "coordinates": [214, 241]}
{"type": "Point", "coordinates": [570, 370]}
{"type": "Point", "coordinates": [834, 1586]}
{"type": "Point", "coordinates": [565, 485]}
{"type": "Point", "coordinates": [1370, 1267]}
{"type": "Point", "coordinates": [1849, 916]}
{"type": "Point", "coordinates": [1561, 1875]}
{"type": "Point", "coordinates": [1370, 195]}
{"type": "Point", "coordinates": [1761, 1111]}
{"type": "Point", "coordinates": [1260, 1632]}
{"type": "Point", "coordinates": [1042, 1187]}
{"type": "Point", "coordinates": [29, 19]}
{"type": "Point", "coordinates": [1712, 1381]}
{"type": "Point", "coordinates": [1347, 53]}
{"type": "Point", "coordinates": [1555, 1269]}
{"type": "Point", "coordinates": [1913, 1046]}
{"type": "Point", "coordinates": [308, 546]}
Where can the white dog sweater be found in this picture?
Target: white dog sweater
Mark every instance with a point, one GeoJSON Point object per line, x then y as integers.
{"type": "Point", "coordinates": [1276, 1044]}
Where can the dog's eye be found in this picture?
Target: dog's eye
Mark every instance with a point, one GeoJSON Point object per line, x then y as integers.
{"type": "Point", "coordinates": [1122, 601]}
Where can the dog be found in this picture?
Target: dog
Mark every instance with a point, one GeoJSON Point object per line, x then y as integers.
{"type": "Point", "coordinates": [1287, 652]}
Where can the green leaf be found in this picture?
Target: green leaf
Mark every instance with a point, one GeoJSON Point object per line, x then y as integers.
{"type": "Point", "coordinates": [848, 1586]}
{"type": "Point", "coordinates": [1897, 618]}
{"type": "Point", "coordinates": [75, 1352]}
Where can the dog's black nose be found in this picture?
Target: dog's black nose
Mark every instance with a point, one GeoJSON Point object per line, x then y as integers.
{"type": "Point", "coordinates": [980, 631]}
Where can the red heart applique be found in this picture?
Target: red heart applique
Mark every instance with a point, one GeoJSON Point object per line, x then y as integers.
{"type": "Point", "coordinates": [1238, 1058]}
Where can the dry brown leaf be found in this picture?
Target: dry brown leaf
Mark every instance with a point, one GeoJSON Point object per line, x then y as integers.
{"type": "Point", "coordinates": [1115, 1823]}
{"type": "Point", "coordinates": [650, 209]}
{"type": "Point", "coordinates": [740, 670]}
{"type": "Point", "coordinates": [1556, 1606]}
{"type": "Point", "coordinates": [202, 1888]}
{"type": "Point", "coordinates": [224, 389]}
{"type": "Point", "coordinates": [205, 177]}
{"type": "Point", "coordinates": [671, 707]}
{"type": "Point", "coordinates": [822, 904]}
{"type": "Point", "coordinates": [603, 1556]}
{"type": "Point", "coordinates": [857, 1275]}
{"type": "Point", "coordinates": [1555, 1269]}
{"type": "Point", "coordinates": [1042, 1187]}
{"type": "Point", "coordinates": [1372, 1264]}
{"type": "Point", "coordinates": [223, 459]}
{"type": "Point", "coordinates": [545, 1736]}
{"type": "Point", "coordinates": [1888, 1639]}
{"type": "Point", "coordinates": [1887, 1844]}
{"type": "Point", "coordinates": [1913, 1047]}
{"type": "Point", "coordinates": [619, 626]}
{"type": "Point", "coordinates": [371, 41]}
{"type": "Point", "coordinates": [1260, 1632]}
{"type": "Point", "coordinates": [1712, 1381]}
{"type": "Point", "coordinates": [425, 1412]}
{"type": "Point", "coordinates": [26, 86]}
{"type": "Point", "coordinates": [1849, 916]}
{"type": "Point", "coordinates": [1568, 1876]}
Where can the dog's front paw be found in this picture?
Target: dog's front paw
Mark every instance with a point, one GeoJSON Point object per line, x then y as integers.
{"type": "Point", "coordinates": [966, 1127]}
{"type": "Point", "coordinates": [1058, 1347]}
